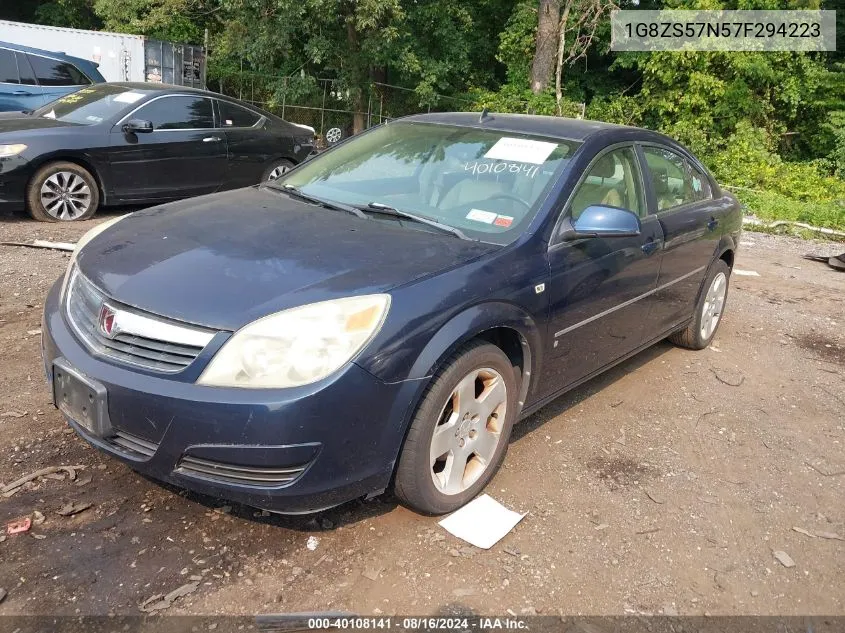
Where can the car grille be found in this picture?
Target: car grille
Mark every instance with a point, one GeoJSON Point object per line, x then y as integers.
{"type": "Point", "coordinates": [240, 475]}
{"type": "Point", "coordinates": [133, 445]}
{"type": "Point", "coordinates": [147, 341]}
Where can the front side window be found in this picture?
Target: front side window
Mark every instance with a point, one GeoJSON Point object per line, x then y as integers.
{"type": "Point", "coordinates": [52, 72]}
{"type": "Point", "coordinates": [236, 116]}
{"type": "Point", "coordinates": [612, 181]}
{"type": "Point", "coordinates": [487, 183]}
{"type": "Point", "coordinates": [672, 182]}
{"type": "Point", "coordinates": [178, 113]}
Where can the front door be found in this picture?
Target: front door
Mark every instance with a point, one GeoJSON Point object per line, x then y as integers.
{"type": "Point", "coordinates": [183, 156]}
{"type": "Point", "coordinates": [690, 219]}
{"type": "Point", "coordinates": [599, 287]}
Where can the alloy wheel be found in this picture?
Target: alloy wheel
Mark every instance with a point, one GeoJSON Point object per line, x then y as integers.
{"type": "Point", "coordinates": [65, 195]}
{"type": "Point", "coordinates": [468, 431]}
{"type": "Point", "coordinates": [714, 302]}
{"type": "Point", "coordinates": [278, 172]}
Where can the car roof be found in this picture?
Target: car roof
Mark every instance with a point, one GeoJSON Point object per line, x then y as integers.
{"type": "Point", "coordinates": [46, 53]}
{"type": "Point", "coordinates": [554, 127]}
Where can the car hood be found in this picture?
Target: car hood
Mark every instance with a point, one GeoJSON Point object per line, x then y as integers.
{"type": "Point", "coordinates": [19, 122]}
{"type": "Point", "coordinates": [227, 259]}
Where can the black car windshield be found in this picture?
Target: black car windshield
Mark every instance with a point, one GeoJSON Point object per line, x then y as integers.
{"type": "Point", "coordinates": [486, 183]}
{"type": "Point", "coordinates": [91, 105]}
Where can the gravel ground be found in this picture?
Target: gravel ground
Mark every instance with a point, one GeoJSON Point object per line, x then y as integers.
{"type": "Point", "coordinates": [666, 485]}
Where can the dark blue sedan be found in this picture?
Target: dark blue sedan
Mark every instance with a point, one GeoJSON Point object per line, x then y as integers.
{"type": "Point", "coordinates": [384, 313]}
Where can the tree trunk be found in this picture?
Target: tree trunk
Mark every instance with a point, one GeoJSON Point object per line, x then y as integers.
{"type": "Point", "coordinates": [561, 48]}
{"type": "Point", "coordinates": [544, 53]}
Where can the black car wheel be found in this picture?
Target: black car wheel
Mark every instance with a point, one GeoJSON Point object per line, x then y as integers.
{"type": "Point", "coordinates": [277, 170]}
{"type": "Point", "coordinates": [708, 309]}
{"type": "Point", "coordinates": [62, 192]}
{"type": "Point", "coordinates": [460, 432]}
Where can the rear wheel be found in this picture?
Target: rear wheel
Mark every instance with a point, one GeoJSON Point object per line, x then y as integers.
{"type": "Point", "coordinates": [708, 310]}
{"type": "Point", "coordinates": [62, 192]}
{"type": "Point", "coordinates": [460, 432]}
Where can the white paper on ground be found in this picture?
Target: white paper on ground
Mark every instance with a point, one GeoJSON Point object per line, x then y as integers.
{"type": "Point", "coordinates": [522, 150]}
{"type": "Point", "coordinates": [482, 522]}
{"type": "Point", "coordinates": [746, 273]}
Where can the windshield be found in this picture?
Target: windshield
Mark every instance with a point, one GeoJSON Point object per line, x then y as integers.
{"type": "Point", "coordinates": [486, 183]}
{"type": "Point", "coordinates": [91, 105]}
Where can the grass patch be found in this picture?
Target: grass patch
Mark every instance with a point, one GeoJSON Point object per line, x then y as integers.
{"type": "Point", "coordinates": [771, 206]}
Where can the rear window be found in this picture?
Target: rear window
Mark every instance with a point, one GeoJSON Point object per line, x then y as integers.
{"type": "Point", "coordinates": [52, 72]}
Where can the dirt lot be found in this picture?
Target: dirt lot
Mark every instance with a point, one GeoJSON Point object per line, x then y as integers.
{"type": "Point", "coordinates": [663, 486]}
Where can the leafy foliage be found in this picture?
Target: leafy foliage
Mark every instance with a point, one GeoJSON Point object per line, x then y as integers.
{"type": "Point", "coordinates": [771, 124]}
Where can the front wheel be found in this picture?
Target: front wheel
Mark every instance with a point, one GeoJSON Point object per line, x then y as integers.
{"type": "Point", "coordinates": [277, 170]}
{"type": "Point", "coordinates": [708, 310]}
{"type": "Point", "coordinates": [460, 432]}
{"type": "Point", "coordinates": [62, 192]}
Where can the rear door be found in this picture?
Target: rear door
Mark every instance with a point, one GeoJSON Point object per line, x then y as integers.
{"type": "Point", "coordinates": [56, 77]}
{"type": "Point", "coordinates": [680, 198]}
{"type": "Point", "coordinates": [184, 155]}
{"type": "Point", "coordinates": [17, 83]}
{"type": "Point", "coordinates": [250, 146]}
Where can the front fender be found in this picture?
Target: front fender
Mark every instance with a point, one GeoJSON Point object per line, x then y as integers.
{"type": "Point", "coordinates": [455, 332]}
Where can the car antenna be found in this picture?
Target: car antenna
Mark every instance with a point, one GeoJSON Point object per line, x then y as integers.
{"type": "Point", "coordinates": [484, 115]}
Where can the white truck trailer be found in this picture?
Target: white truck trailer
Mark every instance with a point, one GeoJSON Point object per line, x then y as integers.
{"type": "Point", "coordinates": [121, 57]}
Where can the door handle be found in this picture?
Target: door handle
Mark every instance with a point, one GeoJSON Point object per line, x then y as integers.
{"type": "Point", "coordinates": [21, 93]}
{"type": "Point", "coordinates": [650, 246]}
{"type": "Point", "coordinates": [712, 224]}
{"type": "Point", "coordinates": [211, 139]}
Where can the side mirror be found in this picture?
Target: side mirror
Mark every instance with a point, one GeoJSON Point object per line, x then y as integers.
{"type": "Point", "coordinates": [601, 221]}
{"type": "Point", "coordinates": [138, 126]}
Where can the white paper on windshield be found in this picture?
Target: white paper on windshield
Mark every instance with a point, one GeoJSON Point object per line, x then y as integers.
{"type": "Point", "coordinates": [522, 150]}
{"type": "Point", "coordinates": [482, 522]}
{"type": "Point", "coordinates": [481, 216]}
{"type": "Point", "coordinates": [50, 115]}
{"type": "Point", "coordinates": [128, 97]}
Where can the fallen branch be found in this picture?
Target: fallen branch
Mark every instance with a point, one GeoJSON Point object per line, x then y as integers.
{"type": "Point", "coordinates": [12, 488]}
{"type": "Point", "coordinates": [800, 225]}
{"type": "Point", "coordinates": [821, 472]}
{"type": "Point", "coordinates": [56, 246]}
{"type": "Point", "coordinates": [727, 382]}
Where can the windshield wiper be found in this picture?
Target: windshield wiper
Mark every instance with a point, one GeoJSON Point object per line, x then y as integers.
{"type": "Point", "coordinates": [296, 192]}
{"type": "Point", "coordinates": [388, 210]}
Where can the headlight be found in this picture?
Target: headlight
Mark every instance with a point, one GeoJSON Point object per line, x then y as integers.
{"type": "Point", "coordinates": [297, 346]}
{"type": "Point", "coordinates": [90, 235]}
{"type": "Point", "coordinates": [6, 151]}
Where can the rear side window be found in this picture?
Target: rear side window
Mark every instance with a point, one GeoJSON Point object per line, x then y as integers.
{"type": "Point", "coordinates": [178, 113]}
{"type": "Point", "coordinates": [700, 185]}
{"type": "Point", "coordinates": [232, 115]}
{"type": "Point", "coordinates": [8, 67]}
{"type": "Point", "coordinates": [25, 70]}
{"type": "Point", "coordinates": [52, 72]}
{"type": "Point", "coordinates": [672, 184]}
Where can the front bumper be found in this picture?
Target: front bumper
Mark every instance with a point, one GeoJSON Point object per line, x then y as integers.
{"type": "Point", "coordinates": [339, 438]}
{"type": "Point", "coordinates": [15, 173]}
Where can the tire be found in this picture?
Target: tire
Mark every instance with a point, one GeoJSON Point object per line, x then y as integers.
{"type": "Point", "coordinates": [283, 165]}
{"type": "Point", "coordinates": [44, 193]}
{"type": "Point", "coordinates": [423, 480]}
{"type": "Point", "coordinates": [698, 334]}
